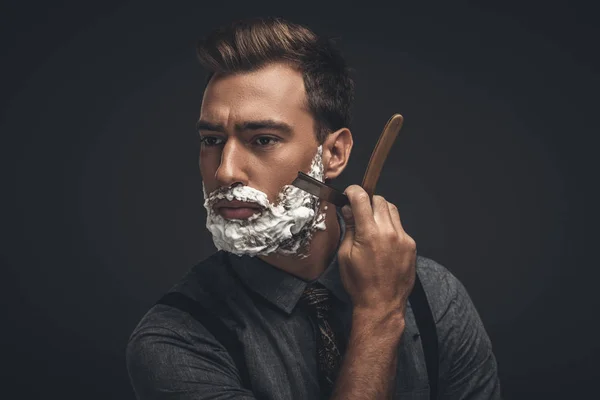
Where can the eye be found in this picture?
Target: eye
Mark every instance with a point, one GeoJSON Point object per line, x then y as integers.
{"type": "Point", "coordinates": [209, 140]}
{"type": "Point", "coordinates": [263, 141]}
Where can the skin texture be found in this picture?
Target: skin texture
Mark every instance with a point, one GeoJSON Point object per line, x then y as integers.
{"type": "Point", "coordinates": [377, 257]}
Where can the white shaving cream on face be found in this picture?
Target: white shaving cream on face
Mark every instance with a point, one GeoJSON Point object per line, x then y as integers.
{"type": "Point", "coordinates": [285, 227]}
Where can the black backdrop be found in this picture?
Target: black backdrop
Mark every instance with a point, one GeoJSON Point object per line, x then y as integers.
{"type": "Point", "coordinates": [494, 172]}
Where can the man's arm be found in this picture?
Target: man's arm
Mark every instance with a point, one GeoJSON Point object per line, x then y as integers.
{"type": "Point", "coordinates": [369, 367]}
{"type": "Point", "coordinates": [377, 261]}
{"type": "Point", "coordinates": [163, 364]}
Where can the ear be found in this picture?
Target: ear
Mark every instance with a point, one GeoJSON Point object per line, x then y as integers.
{"type": "Point", "coordinates": [336, 152]}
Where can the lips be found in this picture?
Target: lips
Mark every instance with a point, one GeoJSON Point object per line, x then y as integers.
{"type": "Point", "coordinates": [237, 209]}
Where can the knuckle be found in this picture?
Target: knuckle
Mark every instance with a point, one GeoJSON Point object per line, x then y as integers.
{"type": "Point", "coordinates": [410, 243]}
{"type": "Point", "coordinates": [380, 203]}
{"type": "Point", "coordinates": [391, 235]}
{"type": "Point", "coordinates": [361, 196]}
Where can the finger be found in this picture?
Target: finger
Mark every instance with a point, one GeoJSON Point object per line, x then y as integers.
{"type": "Point", "coordinates": [395, 216]}
{"type": "Point", "coordinates": [406, 238]}
{"type": "Point", "coordinates": [362, 212]}
{"type": "Point", "coordinates": [381, 214]}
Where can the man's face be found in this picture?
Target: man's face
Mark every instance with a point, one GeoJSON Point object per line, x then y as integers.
{"type": "Point", "coordinates": [257, 133]}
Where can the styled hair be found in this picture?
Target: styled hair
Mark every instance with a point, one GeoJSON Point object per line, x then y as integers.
{"type": "Point", "coordinates": [249, 44]}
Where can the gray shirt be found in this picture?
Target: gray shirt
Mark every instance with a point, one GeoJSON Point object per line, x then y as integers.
{"type": "Point", "coordinates": [170, 355]}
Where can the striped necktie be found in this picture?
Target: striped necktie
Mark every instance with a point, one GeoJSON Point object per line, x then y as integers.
{"type": "Point", "coordinates": [316, 299]}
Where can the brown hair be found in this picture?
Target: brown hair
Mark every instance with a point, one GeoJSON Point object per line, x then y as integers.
{"type": "Point", "coordinates": [247, 45]}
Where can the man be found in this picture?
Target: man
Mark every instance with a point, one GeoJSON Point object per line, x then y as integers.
{"type": "Point", "coordinates": [314, 297]}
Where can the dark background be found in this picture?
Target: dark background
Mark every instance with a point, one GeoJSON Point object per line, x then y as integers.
{"type": "Point", "coordinates": [494, 172]}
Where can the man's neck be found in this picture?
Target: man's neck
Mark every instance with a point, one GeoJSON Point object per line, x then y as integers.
{"type": "Point", "coordinates": [320, 253]}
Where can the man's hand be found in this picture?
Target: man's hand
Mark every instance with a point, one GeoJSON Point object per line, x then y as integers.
{"type": "Point", "coordinates": [377, 257]}
{"type": "Point", "coordinates": [377, 266]}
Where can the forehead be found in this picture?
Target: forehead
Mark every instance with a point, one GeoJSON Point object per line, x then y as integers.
{"type": "Point", "coordinates": [274, 91]}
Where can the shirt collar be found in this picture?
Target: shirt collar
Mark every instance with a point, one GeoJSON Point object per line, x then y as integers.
{"type": "Point", "coordinates": [281, 288]}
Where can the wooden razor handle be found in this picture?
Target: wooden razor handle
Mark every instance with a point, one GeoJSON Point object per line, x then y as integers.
{"type": "Point", "coordinates": [380, 153]}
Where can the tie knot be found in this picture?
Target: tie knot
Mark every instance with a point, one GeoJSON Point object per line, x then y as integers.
{"type": "Point", "coordinates": [316, 296]}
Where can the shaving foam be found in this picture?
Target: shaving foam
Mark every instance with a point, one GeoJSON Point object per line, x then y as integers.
{"type": "Point", "coordinates": [285, 227]}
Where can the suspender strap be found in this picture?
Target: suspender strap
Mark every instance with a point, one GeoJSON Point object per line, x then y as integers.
{"type": "Point", "coordinates": [417, 298]}
{"type": "Point", "coordinates": [427, 329]}
{"type": "Point", "coordinates": [214, 325]}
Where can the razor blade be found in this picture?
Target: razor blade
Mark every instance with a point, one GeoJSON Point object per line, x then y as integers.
{"type": "Point", "coordinates": [320, 189]}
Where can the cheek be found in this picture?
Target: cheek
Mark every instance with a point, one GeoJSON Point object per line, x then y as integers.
{"type": "Point", "coordinates": [286, 166]}
{"type": "Point", "coordinates": [273, 175]}
{"type": "Point", "coordinates": [297, 157]}
{"type": "Point", "coordinates": [208, 167]}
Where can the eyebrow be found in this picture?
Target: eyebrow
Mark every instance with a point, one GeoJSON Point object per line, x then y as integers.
{"type": "Point", "coordinates": [282, 127]}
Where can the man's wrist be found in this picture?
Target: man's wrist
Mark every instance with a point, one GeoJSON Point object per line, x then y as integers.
{"type": "Point", "coordinates": [379, 323]}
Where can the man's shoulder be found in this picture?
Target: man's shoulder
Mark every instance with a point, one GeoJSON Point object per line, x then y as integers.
{"type": "Point", "coordinates": [207, 275]}
{"type": "Point", "coordinates": [467, 364]}
{"type": "Point", "coordinates": [441, 286]}
{"type": "Point", "coordinates": [202, 283]}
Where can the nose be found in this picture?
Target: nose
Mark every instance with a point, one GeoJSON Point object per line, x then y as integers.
{"type": "Point", "coordinates": [232, 168]}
